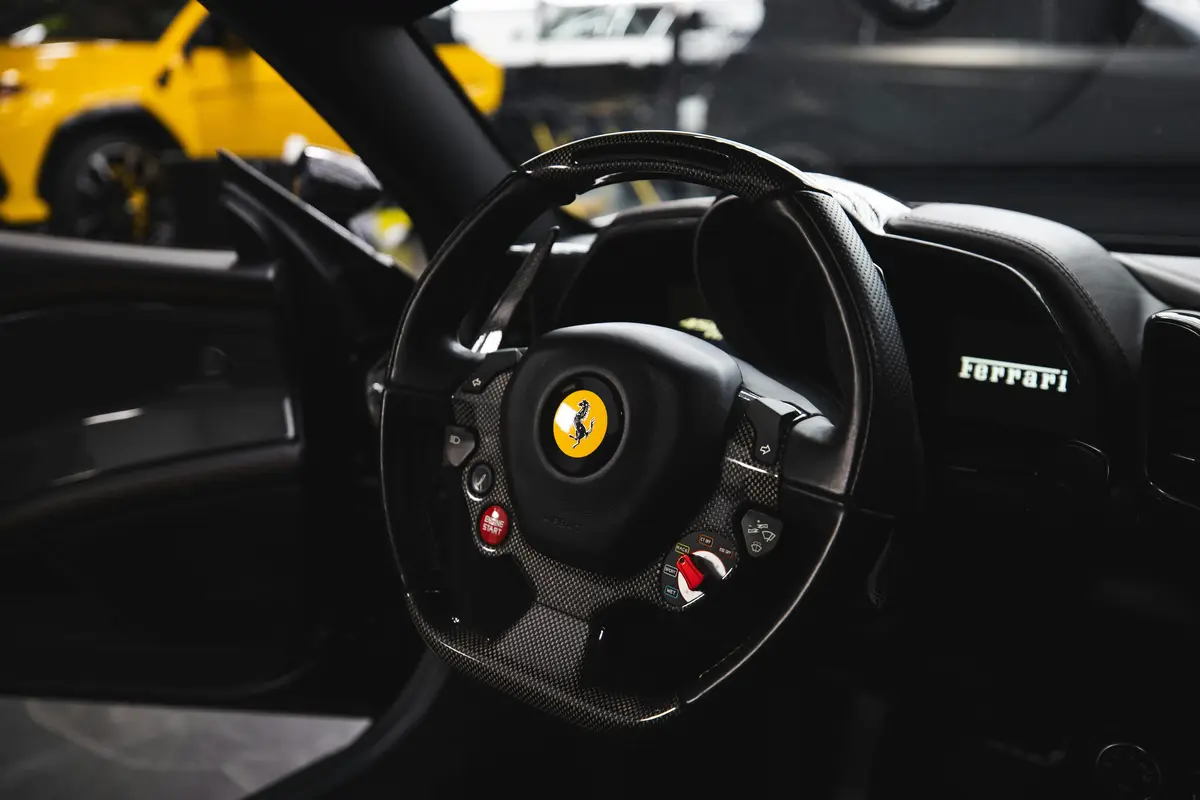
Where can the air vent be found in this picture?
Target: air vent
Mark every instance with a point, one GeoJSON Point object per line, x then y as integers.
{"type": "Point", "coordinates": [1171, 365]}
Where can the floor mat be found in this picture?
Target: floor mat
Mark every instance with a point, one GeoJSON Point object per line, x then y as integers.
{"type": "Point", "coordinates": [51, 750]}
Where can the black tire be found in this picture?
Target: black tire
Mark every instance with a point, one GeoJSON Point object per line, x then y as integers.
{"type": "Point", "coordinates": [129, 203]}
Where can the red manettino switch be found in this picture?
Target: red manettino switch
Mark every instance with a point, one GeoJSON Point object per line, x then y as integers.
{"type": "Point", "coordinates": [693, 576]}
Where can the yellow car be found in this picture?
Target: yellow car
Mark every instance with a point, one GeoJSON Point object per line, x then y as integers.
{"type": "Point", "coordinates": [92, 94]}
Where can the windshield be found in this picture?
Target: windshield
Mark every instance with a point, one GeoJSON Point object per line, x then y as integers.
{"type": "Point", "coordinates": [1023, 103]}
{"type": "Point", "coordinates": [31, 22]}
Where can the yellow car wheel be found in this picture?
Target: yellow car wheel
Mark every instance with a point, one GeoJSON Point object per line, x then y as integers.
{"type": "Point", "coordinates": [110, 186]}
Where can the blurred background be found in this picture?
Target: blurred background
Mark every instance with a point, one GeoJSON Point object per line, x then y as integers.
{"type": "Point", "coordinates": [111, 114]}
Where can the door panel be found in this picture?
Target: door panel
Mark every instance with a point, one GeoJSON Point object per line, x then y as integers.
{"type": "Point", "coordinates": [154, 382]}
{"type": "Point", "coordinates": [166, 533]}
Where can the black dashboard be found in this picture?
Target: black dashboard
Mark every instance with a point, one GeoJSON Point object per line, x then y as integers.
{"type": "Point", "coordinates": [997, 376]}
{"type": "Point", "coordinates": [1052, 564]}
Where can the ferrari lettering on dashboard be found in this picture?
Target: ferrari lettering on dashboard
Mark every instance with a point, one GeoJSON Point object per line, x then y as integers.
{"type": "Point", "coordinates": [1029, 376]}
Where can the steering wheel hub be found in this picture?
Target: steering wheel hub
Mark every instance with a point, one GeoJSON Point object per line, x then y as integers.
{"type": "Point", "coordinates": [648, 447]}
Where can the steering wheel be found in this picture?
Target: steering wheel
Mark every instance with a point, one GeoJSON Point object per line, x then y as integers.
{"type": "Point", "coordinates": [642, 484]}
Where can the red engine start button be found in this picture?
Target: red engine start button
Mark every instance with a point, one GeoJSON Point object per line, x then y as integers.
{"type": "Point", "coordinates": [493, 525]}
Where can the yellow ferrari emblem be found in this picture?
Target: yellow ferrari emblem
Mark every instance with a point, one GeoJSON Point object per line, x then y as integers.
{"type": "Point", "coordinates": [580, 423]}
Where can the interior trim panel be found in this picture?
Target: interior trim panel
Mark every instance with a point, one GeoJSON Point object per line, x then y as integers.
{"type": "Point", "coordinates": [1174, 279]}
{"type": "Point", "coordinates": [117, 386]}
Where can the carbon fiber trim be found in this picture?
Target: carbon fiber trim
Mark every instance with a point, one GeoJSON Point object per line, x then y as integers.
{"type": "Point", "coordinates": [693, 158]}
{"type": "Point", "coordinates": [575, 591]}
{"type": "Point", "coordinates": [539, 660]}
{"type": "Point", "coordinates": [743, 482]}
{"type": "Point", "coordinates": [568, 589]}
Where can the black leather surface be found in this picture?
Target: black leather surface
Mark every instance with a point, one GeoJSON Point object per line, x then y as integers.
{"type": "Point", "coordinates": [869, 207]}
{"type": "Point", "coordinates": [1097, 298]}
{"type": "Point", "coordinates": [882, 415]}
{"type": "Point", "coordinates": [1172, 279]}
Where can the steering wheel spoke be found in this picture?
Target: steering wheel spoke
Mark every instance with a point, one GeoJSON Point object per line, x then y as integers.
{"type": "Point", "coordinates": [542, 659]}
{"type": "Point", "coordinates": [571, 589]}
{"type": "Point", "coordinates": [453, 363]}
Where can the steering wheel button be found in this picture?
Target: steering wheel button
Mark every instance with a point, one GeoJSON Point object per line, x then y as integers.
{"type": "Point", "coordinates": [481, 480]}
{"type": "Point", "coordinates": [770, 419]}
{"type": "Point", "coordinates": [691, 569]}
{"type": "Point", "coordinates": [491, 366]}
{"type": "Point", "coordinates": [493, 526]}
{"type": "Point", "coordinates": [458, 445]}
{"type": "Point", "coordinates": [761, 533]}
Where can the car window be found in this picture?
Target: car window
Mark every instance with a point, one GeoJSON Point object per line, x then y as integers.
{"type": "Point", "coordinates": [112, 115]}
{"type": "Point", "coordinates": [925, 99]}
